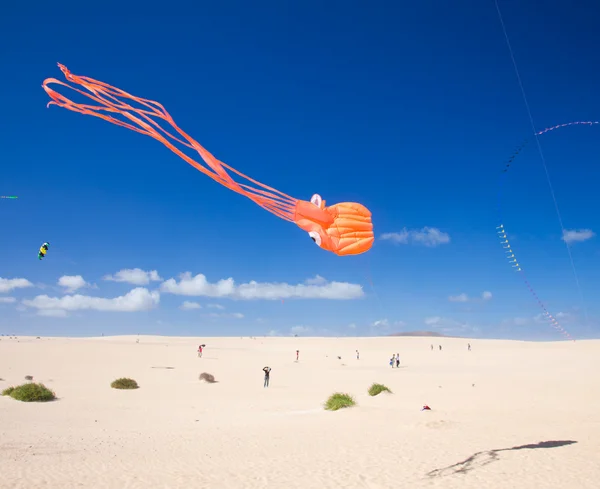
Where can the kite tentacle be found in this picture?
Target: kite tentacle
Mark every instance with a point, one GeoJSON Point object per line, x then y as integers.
{"type": "Point", "coordinates": [267, 197]}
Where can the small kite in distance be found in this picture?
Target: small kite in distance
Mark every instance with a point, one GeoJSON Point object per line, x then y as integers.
{"type": "Point", "coordinates": [43, 250]}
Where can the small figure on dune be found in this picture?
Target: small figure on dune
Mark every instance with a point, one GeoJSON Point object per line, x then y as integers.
{"type": "Point", "coordinates": [431, 347]}
{"type": "Point", "coordinates": [440, 347]}
{"type": "Point", "coordinates": [267, 371]}
{"type": "Point", "coordinates": [200, 351]}
{"type": "Point", "coordinates": [397, 360]}
{"type": "Point", "coordinates": [297, 354]}
{"type": "Point", "coordinates": [392, 360]}
{"type": "Point", "coordinates": [357, 355]}
{"type": "Point", "coordinates": [469, 346]}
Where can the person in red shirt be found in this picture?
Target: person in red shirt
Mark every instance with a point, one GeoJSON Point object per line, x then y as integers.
{"type": "Point", "coordinates": [297, 354]}
{"type": "Point", "coordinates": [200, 351]}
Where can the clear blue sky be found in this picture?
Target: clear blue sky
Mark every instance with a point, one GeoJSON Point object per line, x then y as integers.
{"type": "Point", "coordinates": [408, 108]}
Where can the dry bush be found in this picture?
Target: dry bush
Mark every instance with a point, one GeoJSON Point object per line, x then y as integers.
{"type": "Point", "coordinates": [124, 383]}
{"type": "Point", "coordinates": [206, 377]}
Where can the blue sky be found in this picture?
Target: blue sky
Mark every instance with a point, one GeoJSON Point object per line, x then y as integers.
{"type": "Point", "coordinates": [410, 109]}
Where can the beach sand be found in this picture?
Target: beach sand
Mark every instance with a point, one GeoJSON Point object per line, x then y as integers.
{"type": "Point", "coordinates": [507, 414]}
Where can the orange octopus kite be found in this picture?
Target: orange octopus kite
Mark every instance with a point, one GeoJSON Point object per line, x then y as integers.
{"type": "Point", "coordinates": [344, 228]}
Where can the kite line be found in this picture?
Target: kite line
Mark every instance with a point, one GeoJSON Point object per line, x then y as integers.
{"type": "Point", "coordinates": [501, 229]}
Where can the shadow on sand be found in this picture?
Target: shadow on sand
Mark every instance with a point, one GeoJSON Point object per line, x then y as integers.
{"type": "Point", "coordinates": [486, 457]}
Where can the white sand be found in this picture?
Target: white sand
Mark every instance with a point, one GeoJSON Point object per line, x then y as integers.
{"type": "Point", "coordinates": [178, 432]}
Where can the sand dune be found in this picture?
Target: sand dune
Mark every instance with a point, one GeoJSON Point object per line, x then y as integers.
{"type": "Point", "coordinates": [505, 415]}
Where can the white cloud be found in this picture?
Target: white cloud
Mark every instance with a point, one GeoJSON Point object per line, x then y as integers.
{"type": "Point", "coordinates": [459, 298]}
{"type": "Point", "coordinates": [9, 284]}
{"type": "Point", "coordinates": [426, 236]}
{"type": "Point", "coordinates": [538, 318]}
{"type": "Point", "coordinates": [234, 315]}
{"type": "Point", "coordinates": [215, 306]}
{"type": "Point", "coordinates": [72, 282]}
{"type": "Point", "coordinates": [386, 323]}
{"type": "Point", "coordinates": [135, 276]}
{"type": "Point", "coordinates": [188, 305]}
{"type": "Point", "coordinates": [199, 286]}
{"type": "Point", "coordinates": [299, 330]}
{"type": "Point", "coordinates": [485, 295]}
{"type": "Point", "coordinates": [448, 325]}
{"type": "Point", "coordinates": [577, 235]}
{"type": "Point", "coordinates": [138, 299]}
{"type": "Point", "coordinates": [7, 300]}
{"type": "Point", "coordinates": [316, 280]}
{"type": "Point", "coordinates": [380, 323]}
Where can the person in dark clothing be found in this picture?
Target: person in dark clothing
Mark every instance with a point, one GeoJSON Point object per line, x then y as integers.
{"type": "Point", "coordinates": [267, 371]}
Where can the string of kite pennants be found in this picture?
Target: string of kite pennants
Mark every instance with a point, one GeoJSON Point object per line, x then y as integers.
{"type": "Point", "coordinates": [502, 235]}
{"type": "Point", "coordinates": [512, 260]}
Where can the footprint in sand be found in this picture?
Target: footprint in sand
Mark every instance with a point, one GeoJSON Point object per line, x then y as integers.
{"type": "Point", "coordinates": [441, 424]}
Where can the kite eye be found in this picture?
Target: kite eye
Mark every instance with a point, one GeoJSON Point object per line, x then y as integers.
{"type": "Point", "coordinates": [316, 237]}
{"type": "Point", "coordinates": [316, 200]}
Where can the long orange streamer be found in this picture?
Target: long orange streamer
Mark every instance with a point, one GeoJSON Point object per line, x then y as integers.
{"type": "Point", "coordinates": [269, 198]}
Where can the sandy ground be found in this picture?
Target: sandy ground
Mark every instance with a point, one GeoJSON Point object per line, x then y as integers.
{"type": "Point", "coordinates": [504, 415]}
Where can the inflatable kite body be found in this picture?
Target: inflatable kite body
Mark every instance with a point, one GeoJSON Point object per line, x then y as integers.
{"type": "Point", "coordinates": [43, 251]}
{"type": "Point", "coordinates": [343, 229]}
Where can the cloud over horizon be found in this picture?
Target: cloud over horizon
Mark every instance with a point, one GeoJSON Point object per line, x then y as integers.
{"type": "Point", "coordinates": [198, 285]}
{"type": "Point", "coordinates": [135, 276]}
{"type": "Point", "coordinates": [486, 295]}
{"type": "Point", "coordinates": [577, 235]}
{"type": "Point", "coordinates": [430, 237]}
{"type": "Point", "coordinates": [189, 305]}
{"type": "Point", "coordinates": [138, 299]}
{"type": "Point", "coordinates": [10, 284]}
{"type": "Point", "coordinates": [72, 282]}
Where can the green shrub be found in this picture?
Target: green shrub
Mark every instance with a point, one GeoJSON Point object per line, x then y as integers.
{"type": "Point", "coordinates": [30, 393]}
{"type": "Point", "coordinates": [338, 401]}
{"type": "Point", "coordinates": [376, 389]}
{"type": "Point", "coordinates": [124, 383]}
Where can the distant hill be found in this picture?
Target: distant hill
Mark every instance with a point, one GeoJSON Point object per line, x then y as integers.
{"type": "Point", "coordinates": [420, 333]}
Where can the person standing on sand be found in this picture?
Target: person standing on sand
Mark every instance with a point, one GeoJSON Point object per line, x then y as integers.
{"type": "Point", "coordinates": [397, 360]}
{"type": "Point", "coordinates": [469, 346]}
{"type": "Point", "coordinates": [297, 354]}
{"type": "Point", "coordinates": [357, 355]}
{"type": "Point", "coordinates": [392, 361]}
{"type": "Point", "coordinates": [440, 347]}
{"type": "Point", "coordinates": [200, 351]}
{"type": "Point", "coordinates": [267, 371]}
{"type": "Point", "coordinates": [431, 347]}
